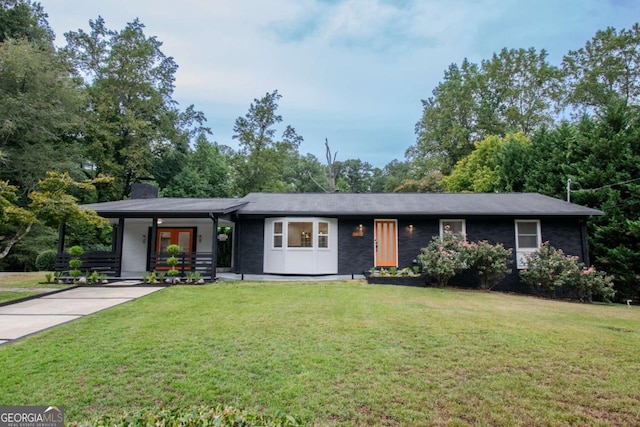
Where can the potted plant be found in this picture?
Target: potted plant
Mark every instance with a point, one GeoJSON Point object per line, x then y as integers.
{"type": "Point", "coordinates": [75, 262]}
{"type": "Point", "coordinates": [172, 261]}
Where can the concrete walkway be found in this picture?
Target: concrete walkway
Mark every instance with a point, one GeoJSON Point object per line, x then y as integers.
{"type": "Point", "coordinates": [29, 317]}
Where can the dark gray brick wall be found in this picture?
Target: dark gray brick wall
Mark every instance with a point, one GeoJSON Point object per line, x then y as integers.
{"type": "Point", "coordinates": [356, 254]}
{"type": "Point", "coordinates": [251, 249]}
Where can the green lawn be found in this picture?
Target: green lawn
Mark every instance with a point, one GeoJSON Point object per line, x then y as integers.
{"type": "Point", "coordinates": [20, 285]}
{"type": "Point", "coordinates": [341, 353]}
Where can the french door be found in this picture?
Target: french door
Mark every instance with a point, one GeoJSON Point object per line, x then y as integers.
{"type": "Point", "coordinates": [182, 237]}
{"type": "Point", "coordinates": [386, 242]}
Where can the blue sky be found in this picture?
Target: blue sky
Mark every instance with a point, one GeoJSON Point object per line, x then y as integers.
{"type": "Point", "coordinates": [352, 71]}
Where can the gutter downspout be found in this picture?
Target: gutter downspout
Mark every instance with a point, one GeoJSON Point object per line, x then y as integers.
{"type": "Point", "coordinates": [585, 243]}
{"type": "Point", "coordinates": [214, 247]}
{"type": "Point", "coordinates": [119, 240]}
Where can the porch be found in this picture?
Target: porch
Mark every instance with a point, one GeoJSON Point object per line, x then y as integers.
{"type": "Point", "coordinates": [108, 263]}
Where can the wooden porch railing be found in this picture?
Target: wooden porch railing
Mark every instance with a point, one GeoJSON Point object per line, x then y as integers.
{"type": "Point", "coordinates": [102, 262]}
{"type": "Point", "coordinates": [188, 262]}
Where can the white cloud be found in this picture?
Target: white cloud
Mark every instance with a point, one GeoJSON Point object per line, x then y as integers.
{"type": "Point", "coordinates": [351, 70]}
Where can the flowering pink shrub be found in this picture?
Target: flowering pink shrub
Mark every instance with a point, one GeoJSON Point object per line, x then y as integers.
{"type": "Point", "coordinates": [549, 269]}
{"type": "Point", "coordinates": [444, 258]}
{"type": "Point", "coordinates": [595, 283]}
{"type": "Point", "coordinates": [491, 262]}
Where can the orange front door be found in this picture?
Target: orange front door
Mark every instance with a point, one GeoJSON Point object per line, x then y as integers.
{"type": "Point", "coordinates": [182, 237]}
{"type": "Point", "coordinates": [386, 243]}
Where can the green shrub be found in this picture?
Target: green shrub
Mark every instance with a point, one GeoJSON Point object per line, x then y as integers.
{"type": "Point", "coordinates": [444, 258]}
{"type": "Point", "coordinates": [75, 263]}
{"type": "Point", "coordinates": [173, 249]}
{"type": "Point", "coordinates": [592, 283]}
{"type": "Point", "coordinates": [549, 269]}
{"type": "Point", "coordinates": [223, 416]}
{"type": "Point", "coordinates": [172, 261]}
{"type": "Point", "coordinates": [76, 251]}
{"type": "Point", "coordinates": [46, 260]}
{"type": "Point", "coordinates": [491, 261]}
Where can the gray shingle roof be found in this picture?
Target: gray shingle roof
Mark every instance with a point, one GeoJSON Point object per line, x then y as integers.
{"type": "Point", "coordinates": [168, 207]}
{"type": "Point", "coordinates": [320, 204]}
{"type": "Point", "coordinates": [435, 204]}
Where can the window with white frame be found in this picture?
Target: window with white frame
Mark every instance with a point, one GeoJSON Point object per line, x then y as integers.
{"type": "Point", "coordinates": [277, 234]}
{"type": "Point", "coordinates": [299, 234]}
{"type": "Point", "coordinates": [323, 234]}
{"type": "Point", "coordinates": [528, 240]}
{"type": "Point", "coordinates": [455, 226]}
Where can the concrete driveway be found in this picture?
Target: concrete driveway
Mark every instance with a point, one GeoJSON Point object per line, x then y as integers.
{"type": "Point", "coordinates": [29, 317]}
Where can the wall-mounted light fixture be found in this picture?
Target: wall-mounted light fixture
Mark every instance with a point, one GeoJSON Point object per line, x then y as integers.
{"type": "Point", "coordinates": [410, 228]}
{"type": "Point", "coordinates": [199, 238]}
{"type": "Point", "coordinates": [360, 227]}
{"type": "Point", "coordinates": [159, 220]}
{"type": "Point", "coordinates": [144, 238]}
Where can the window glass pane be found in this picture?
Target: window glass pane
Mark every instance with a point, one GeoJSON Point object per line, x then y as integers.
{"type": "Point", "coordinates": [527, 241]}
{"type": "Point", "coordinates": [323, 234]}
{"type": "Point", "coordinates": [299, 234]}
{"type": "Point", "coordinates": [184, 241]}
{"type": "Point", "coordinates": [455, 227]}
{"type": "Point", "coordinates": [323, 228]}
{"type": "Point", "coordinates": [277, 241]}
{"type": "Point", "coordinates": [277, 228]}
{"type": "Point", "coordinates": [528, 228]}
{"type": "Point", "coordinates": [527, 234]}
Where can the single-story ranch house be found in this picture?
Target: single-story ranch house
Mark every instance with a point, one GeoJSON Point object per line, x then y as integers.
{"type": "Point", "coordinates": [325, 234]}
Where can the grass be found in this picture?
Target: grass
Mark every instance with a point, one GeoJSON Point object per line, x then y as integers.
{"type": "Point", "coordinates": [340, 353]}
{"type": "Point", "coordinates": [13, 295]}
{"type": "Point", "coordinates": [20, 285]}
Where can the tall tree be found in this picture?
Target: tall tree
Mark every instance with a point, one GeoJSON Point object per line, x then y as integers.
{"type": "Point", "coordinates": [263, 157]}
{"type": "Point", "coordinates": [525, 89]}
{"type": "Point", "coordinates": [449, 122]}
{"type": "Point", "coordinates": [24, 19]}
{"type": "Point", "coordinates": [40, 115]}
{"type": "Point", "coordinates": [606, 69]}
{"type": "Point", "coordinates": [515, 91]}
{"type": "Point", "coordinates": [52, 203]}
{"type": "Point", "coordinates": [485, 169]}
{"type": "Point", "coordinates": [205, 173]}
{"type": "Point", "coordinates": [131, 113]}
{"type": "Point", "coordinates": [354, 176]}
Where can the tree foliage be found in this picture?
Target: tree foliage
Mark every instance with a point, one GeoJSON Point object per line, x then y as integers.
{"type": "Point", "coordinates": [131, 115]}
{"type": "Point", "coordinates": [515, 91]}
{"type": "Point", "coordinates": [40, 114]}
{"type": "Point", "coordinates": [263, 156]}
{"type": "Point", "coordinates": [54, 202]}
{"type": "Point", "coordinates": [606, 69]}
{"type": "Point", "coordinates": [24, 19]}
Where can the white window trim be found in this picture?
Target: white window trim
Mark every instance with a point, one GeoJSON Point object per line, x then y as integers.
{"type": "Point", "coordinates": [521, 253]}
{"type": "Point", "coordinates": [316, 227]}
{"type": "Point", "coordinates": [464, 226]}
{"type": "Point", "coordinates": [274, 234]}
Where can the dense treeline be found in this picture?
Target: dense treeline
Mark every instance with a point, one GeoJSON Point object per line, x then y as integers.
{"type": "Point", "coordinates": [514, 122]}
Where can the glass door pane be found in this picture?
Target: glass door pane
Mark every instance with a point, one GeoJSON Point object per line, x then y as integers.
{"type": "Point", "coordinates": [184, 241]}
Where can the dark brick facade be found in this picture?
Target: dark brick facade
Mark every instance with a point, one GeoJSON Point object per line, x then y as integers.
{"type": "Point", "coordinates": [356, 253]}
{"type": "Point", "coordinates": [250, 241]}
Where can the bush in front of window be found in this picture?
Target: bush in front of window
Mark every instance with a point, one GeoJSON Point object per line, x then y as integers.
{"type": "Point", "coordinates": [490, 261]}
{"type": "Point", "coordinates": [444, 257]}
{"type": "Point", "coordinates": [549, 269]}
